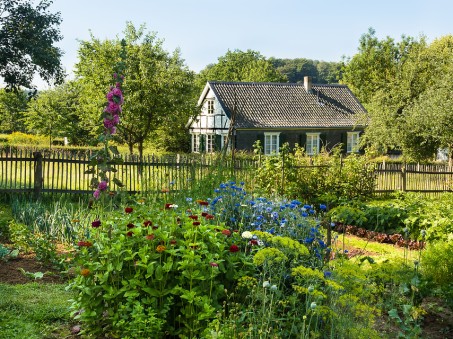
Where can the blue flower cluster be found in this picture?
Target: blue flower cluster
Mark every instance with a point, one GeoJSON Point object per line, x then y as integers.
{"type": "Point", "coordinates": [243, 212]}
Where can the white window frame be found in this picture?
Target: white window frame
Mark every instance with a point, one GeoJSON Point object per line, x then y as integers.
{"type": "Point", "coordinates": [271, 143]}
{"type": "Point", "coordinates": [210, 106]}
{"type": "Point", "coordinates": [352, 142]}
{"type": "Point", "coordinates": [196, 143]}
{"type": "Point", "coordinates": [210, 143]}
{"type": "Point", "coordinates": [313, 143]}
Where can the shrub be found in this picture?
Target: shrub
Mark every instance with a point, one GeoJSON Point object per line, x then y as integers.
{"type": "Point", "coordinates": [324, 178]}
{"type": "Point", "coordinates": [437, 266]}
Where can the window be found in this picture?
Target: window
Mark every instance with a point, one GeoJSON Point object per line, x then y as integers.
{"type": "Point", "coordinates": [352, 143]}
{"type": "Point", "coordinates": [210, 106]}
{"type": "Point", "coordinates": [225, 141]}
{"type": "Point", "coordinates": [312, 145]}
{"type": "Point", "coordinates": [210, 139]}
{"type": "Point", "coordinates": [271, 143]}
{"type": "Point", "coordinates": [195, 143]}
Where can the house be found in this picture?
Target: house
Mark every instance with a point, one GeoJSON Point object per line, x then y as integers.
{"type": "Point", "coordinates": [237, 114]}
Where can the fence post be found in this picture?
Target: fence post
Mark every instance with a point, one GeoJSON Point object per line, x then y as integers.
{"type": "Point", "coordinates": [403, 177]}
{"type": "Point", "coordinates": [38, 178]}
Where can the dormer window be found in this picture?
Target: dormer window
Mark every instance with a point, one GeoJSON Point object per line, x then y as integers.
{"type": "Point", "coordinates": [211, 106]}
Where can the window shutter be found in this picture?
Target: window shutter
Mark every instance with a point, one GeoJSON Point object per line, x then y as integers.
{"type": "Point", "coordinates": [260, 137]}
{"type": "Point", "coordinates": [323, 141]}
{"type": "Point", "coordinates": [202, 143]}
{"type": "Point", "coordinates": [361, 149]}
{"type": "Point", "coordinates": [218, 143]}
{"type": "Point", "coordinates": [281, 139]}
{"type": "Point", "coordinates": [303, 140]}
{"type": "Point", "coordinates": [344, 142]}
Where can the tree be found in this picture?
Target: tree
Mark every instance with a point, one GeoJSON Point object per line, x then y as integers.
{"type": "Point", "coordinates": [13, 106]}
{"type": "Point", "coordinates": [295, 70]}
{"type": "Point", "coordinates": [380, 78]}
{"type": "Point", "coordinates": [249, 66]}
{"type": "Point", "coordinates": [27, 35]}
{"type": "Point", "coordinates": [158, 88]}
{"type": "Point", "coordinates": [54, 113]}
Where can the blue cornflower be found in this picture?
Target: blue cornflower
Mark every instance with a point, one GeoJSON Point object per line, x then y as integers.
{"type": "Point", "coordinates": [309, 240]}
{"type": "Point", "coordinates": [327, 274]}
{"type": "Point", "coordinates": [189, 199]}
{"type": "Point", "coordinates": [268, 209]}
{"type": "Point", "coordinates": [217, 190]}
{"type": "Point", "coordinates": [304, 214]}
{"type": "Point", "coordinates": [322, 207]}
{"type": "Point", "coordinates": [274, 215]}
{"type": "Point", "coordinates": [307, 206]}
{"type": "Point", "coordinates": [272, 230]}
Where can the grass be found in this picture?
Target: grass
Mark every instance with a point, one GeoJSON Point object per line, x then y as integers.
{"type": "Point", "coordinates": [376, 249]}
{"type": "Point", "coordinates": [34, 311]}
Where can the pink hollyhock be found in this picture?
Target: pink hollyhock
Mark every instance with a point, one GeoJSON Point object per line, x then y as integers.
{"type": "Point", "coordinates": [102, 185]}
{"type": "Point", "coordinates": [96, 194]}
{"type": "Point", "coordinates": [113, 107]}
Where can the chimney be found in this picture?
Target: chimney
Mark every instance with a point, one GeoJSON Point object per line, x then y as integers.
{"type": "Point", "coordinates": [307, 83]}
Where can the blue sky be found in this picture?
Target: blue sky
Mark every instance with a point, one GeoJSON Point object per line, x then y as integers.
{"type": "Point", "coordinates": [204, 30]}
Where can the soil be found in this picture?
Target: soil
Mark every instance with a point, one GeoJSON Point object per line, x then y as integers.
{"type": "Point", "coordinates": [437, 321]}
{"type": "Point", "coordinates": [11, 271]}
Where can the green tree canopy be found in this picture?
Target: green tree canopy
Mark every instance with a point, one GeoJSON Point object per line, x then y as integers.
{"type": "Point", "coordinates": [27, 37]}
{"type": "Point", "coordinates": [249, 66]}
{"type": "Point", "coordinates": [13, 106]}
{"type": "Point", "coordinates": [159, 88]}
{"type": "Point", "coordinates": [54, 113]}
{"type": "Point", "coordinates": [295, 70]}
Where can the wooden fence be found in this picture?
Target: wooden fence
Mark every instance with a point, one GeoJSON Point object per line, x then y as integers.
{"type": "Point", "coordinates": [25, 171]}
{"type": "Point", "coordinates": [64, 172]}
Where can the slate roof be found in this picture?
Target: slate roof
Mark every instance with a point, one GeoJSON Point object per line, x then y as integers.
{"type": "Point", "coordinates": [287, 105]}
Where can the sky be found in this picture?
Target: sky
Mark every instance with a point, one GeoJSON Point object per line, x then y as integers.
{"type": "Point", "coordinates": [204, 30]}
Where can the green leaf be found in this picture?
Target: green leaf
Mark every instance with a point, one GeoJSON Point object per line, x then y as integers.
{"type": "Point", "coordinates": [114, 150]}
{"type": "Point", "coordinates": [118, 182]}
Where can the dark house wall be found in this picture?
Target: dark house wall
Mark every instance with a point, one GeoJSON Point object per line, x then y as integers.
{"type": "Point", "coordinates": [329, 138]}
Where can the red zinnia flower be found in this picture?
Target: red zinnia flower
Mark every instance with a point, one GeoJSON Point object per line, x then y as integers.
{"type": "Point", "coordinates": [194, 217]}
{"type": "Point", "coordinates": [148, 223]}
{"type": "Point", "coordinates": [130, 225]}
{"type": "Point", "coordinates": [128, 210]}
{"type": "Point", "coordinates": [173, 242]}
{"type": "Point", "coordinates": [96, 223]}
{"type": "Point", "coordinates": [226, 232]}
{"type": "Point", "coordinates": [150, 236]}
{"type": "Point", "coordinates": [130, 233]}
{"type": "Point", "coordinates": [160, 248]}
{"type": "Point", "coordinates": [214, 264]}
{"type": "Point", "coordinates": [203, 203]}
{"type": "Point", "coordinates": [209, 217]}
{"type": "Point", "coordinates": [168, 206]}
{"type": "Point", "coordinates": [196, 223]}
{"type": "Point", "coordinates": [155, 227]}
{"type": "Point", "coordinates": [203, 214]}
{"type": "Point", "coordinates": [234, 248]}
{"type": "Point", "coordinates": [253, 242]}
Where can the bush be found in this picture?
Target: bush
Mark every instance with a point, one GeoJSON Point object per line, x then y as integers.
{"type": "Point", "coordinates": [437, 266]}
{"type": "Point", "coordinates": [324, 178]}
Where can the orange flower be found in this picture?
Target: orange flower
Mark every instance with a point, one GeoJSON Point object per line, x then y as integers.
{"type": "Point", "coordinates": [226, 232]}
{"type": "Point", "coordinates": [85, 272]}
{"type": "Point", "coordinates": [160, 248]}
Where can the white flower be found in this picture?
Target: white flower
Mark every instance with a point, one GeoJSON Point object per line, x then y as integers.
{"type": "Point", "coordinates": [274, 288]}
{"type": "Point", "coordinates": [266, 284]}
{"type": "Point", "coordinates": [247, 235]}
{"type": "Point", "coordinates": [313, 305]}
{"type": "Point", "coordinates": [173, 206]}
